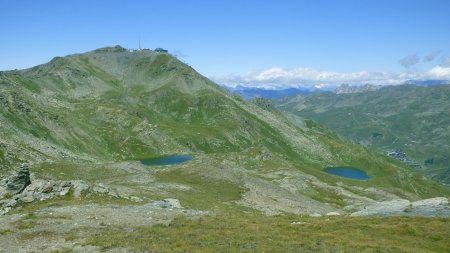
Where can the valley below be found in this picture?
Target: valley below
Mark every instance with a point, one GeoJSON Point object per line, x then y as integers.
{"type": "Point", "coordinates": [408, 123]}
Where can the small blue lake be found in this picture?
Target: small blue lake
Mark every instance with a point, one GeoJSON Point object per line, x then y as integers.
{"type": "Point", "coordinates": [348, 172]}
{"type": "Point", "coordinates": [167, 160]}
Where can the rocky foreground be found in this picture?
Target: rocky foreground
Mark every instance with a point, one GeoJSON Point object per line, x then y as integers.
{"type": "Point", "coordinates": [20, 189]}
{"type": "Point", "coordinates": [76, 209]}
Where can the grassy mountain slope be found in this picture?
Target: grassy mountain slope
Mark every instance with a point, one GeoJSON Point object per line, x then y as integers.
{"type": "Point", "coordinates": [407, 117]}
{"type": "Point", "coordinates": [91, 116]}
{"type": "Point", "coordinates": [110, 106]}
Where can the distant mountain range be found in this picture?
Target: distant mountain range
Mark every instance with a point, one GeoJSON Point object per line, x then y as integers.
{"type": "Point", "coordinates": [346, 88]}
{"type": "Point", "coordinates": [427, 82]}
{"type": "Point", "coordinates": [249, 93]}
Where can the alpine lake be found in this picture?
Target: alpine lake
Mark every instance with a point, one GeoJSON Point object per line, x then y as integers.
{"type": "Point", "coordinates": [348, 172]}
{"type": "Point", "coordinates": [166, 160]}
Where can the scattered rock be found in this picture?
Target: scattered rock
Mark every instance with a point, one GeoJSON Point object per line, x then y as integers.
{"type": "Point", "coordinates": [16, 184]}
{"type": "Point", "coordinates": [42, 190]}
{"type": "Point", "coordinates": [136, 199]}
{"type": "Point", "coordinates": [264, 154]}
{"type": "Point", "coordinates": [101, 188]}
{"type": "Point", "coordinates": [298, 223]}
{"type": "Point", "coordinates": [27, 198]}
{"type": "Point", "coordinates": [401, 207]}
{"type": "Point", "coordinates": [39, 190]}
{"type": "Point", "coordinates": [264, 103]}
{"type": "Point", "coordinates": [173, 203]}
{"type": "Point", "coordinates": [79, 187]}
{"type": "Point", "coordinates": [48, 189]}
{"type": "Point", "coordinates": [64, 191]}
{"type": "Point", "coordinates": [333, 214]}
{"type": "Point", "coordinates": [165, 203]}
{"type": "Point", "coordinates": [315, 215]}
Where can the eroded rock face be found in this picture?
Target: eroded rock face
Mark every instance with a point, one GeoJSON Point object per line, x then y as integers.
{"type": "Point", "coordinates": [19, 189]}
{"type": "Point", "coordinates": [16, 184]}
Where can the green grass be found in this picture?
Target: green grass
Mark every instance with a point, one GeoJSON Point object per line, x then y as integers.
{"type": "Point", "coordinates": [88, 172]}
{"type": "Point", "coordinates": [8, 195]}
{"type": "Point", "coordinates": [29, 208]}
{"type": "Point", "coordinates": [326, 196]}
{"type": "Point", "coordinates": [44, 234]}
{"type": "Point", "coordinates": [205, 193]}
{"type": "Point", "coordinates": [6, 232]}
{"type": "Point", "coordinates": [247, 232]}
{"type": "Point", "coordinates": [26, 222]}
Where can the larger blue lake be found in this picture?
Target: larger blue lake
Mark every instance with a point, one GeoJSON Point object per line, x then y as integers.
{"type": "Point", "coordinates": [167, 160]}
{"type": "Point", "coordinates": [348, 172]}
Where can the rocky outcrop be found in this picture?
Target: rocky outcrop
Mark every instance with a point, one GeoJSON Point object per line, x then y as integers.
{"type": "Point", "coordinates": [17, 183]}
{"type": "Point", "coordinates": [264, 103]}
{"type": "Point", "coordinates": [401, 207]}
{"type": "Point", "coordinates": [19, 189]}
{"type": "Point", "coordinates": [38, 190]}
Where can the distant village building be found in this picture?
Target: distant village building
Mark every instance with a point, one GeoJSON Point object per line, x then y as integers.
{"type": "Point", "coordinates": [401, 156]}
{"type": "Point", "coordinates": [161, 50]}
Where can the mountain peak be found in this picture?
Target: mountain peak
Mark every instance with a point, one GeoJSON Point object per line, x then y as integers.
{"type": "Point", "coordinates": [116, 69]}
{"type": "Point", "coordinates": [114, 49]}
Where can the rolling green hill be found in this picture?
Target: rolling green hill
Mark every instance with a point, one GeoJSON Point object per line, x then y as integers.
{"type": "Point", "coordinates": [409, 118]}
{"type": "Point", "coordinates": [112, 105]}
{"type": "Point", "coordinates": [82, 123]}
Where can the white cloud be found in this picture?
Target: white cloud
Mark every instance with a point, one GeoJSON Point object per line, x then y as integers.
{"type": "Point", "coordinates": [277, 77]}
{"type": "Point", "coordinates": [439, 72]}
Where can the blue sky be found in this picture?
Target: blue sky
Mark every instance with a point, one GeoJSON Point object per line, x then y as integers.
{"type": "Point", "coordinates": [261, 43]}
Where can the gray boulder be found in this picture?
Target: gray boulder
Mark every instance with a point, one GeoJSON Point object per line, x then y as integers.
{"type": "Point", "coordinates": [165, 203]}
{"type": "Point", "coordinates": [42, 189]}
{"type": "Point", "coordinates": [333, 214]}
{"type": "Point", "coordinates": [79, 187]}
{"type": "Point", "coordinates": [16, 184]}
{"type": "Point", "coordinates": [172, 203]}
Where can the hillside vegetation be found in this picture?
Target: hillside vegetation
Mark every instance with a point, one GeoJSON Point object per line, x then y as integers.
{"type": "Point", "coordinates": [82, 122]}
{"type": "Point", "coordinates": [412, 119]}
